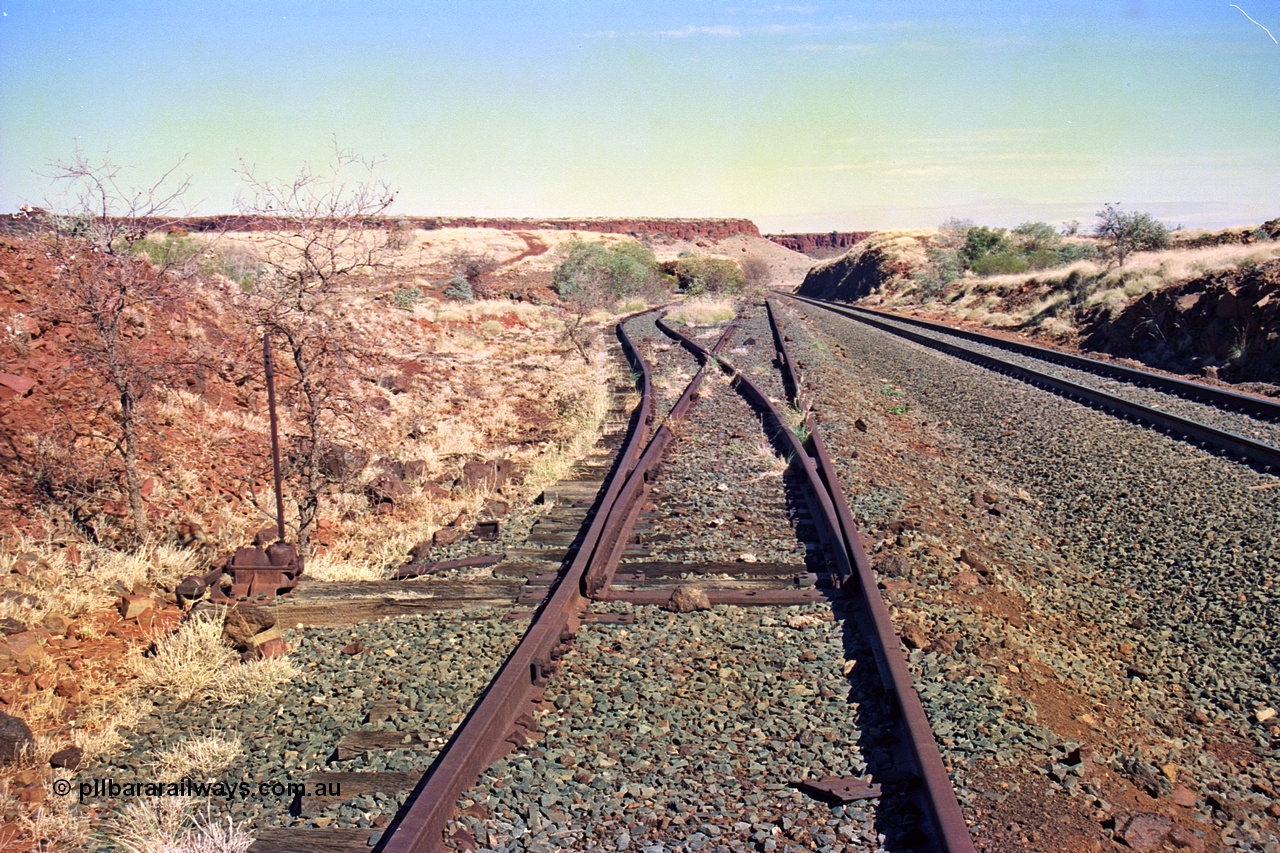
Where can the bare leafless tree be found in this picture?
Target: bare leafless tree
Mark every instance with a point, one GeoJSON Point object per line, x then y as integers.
{"type": "Point", "coordinates": [94, 204]}
{"type": "Point", "coordinates": [110, 297]}
{"type": "Point", "coordinates": [326, 233]}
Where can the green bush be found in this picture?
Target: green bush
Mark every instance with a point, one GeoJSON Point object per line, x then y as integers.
{"type": "Point", "coordinates": [1001, 263]}
{"type": "Point", "coordinates": [459, 290]}
{"type": "Point", "coordinates": [980, 241]}
{"type": "Point", "coordinates": [1124, 233]}
{"type": "Point", "coordinates": [1043, 259]}
{"type": "Point", "coordinates": [603, 274]}
{"type": "Point", "coordinates": [700, 274]}
{"type": "Point", "coordinates": [1035, 237]}
{"type": "Point", "coordinates": [1072, 252]}
{"type": "Point", "coordinates": [177, 252]}
{"type": "Point", "coordinates": [944, 267]}
{"type": "Point", "coordinates": [407, 297]}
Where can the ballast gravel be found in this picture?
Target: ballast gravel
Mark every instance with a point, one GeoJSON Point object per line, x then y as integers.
{"type": "Point", "coordinates": [687, 732]}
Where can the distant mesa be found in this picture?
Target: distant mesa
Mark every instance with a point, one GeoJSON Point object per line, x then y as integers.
{"type": "Point", "coordinates": [676, 229]}
{"type": "Point", "coordinates": [824, 244]}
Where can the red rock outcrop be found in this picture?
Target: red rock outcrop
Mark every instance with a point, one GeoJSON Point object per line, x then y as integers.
{"type": "Point", "coordinates": [678, 229]}
{"type": "Point", "coordinates": [1228, 320]}
{"type": "Point", "coordinates": [820, 244]}
{"type": "Point", "coordinates": [864, 269]}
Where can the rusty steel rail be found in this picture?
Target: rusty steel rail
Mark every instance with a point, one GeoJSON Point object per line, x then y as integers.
{"type": "Point", "coordinates": [493, 725]}
{"type": "Point", "coordinates": [1256, 453]}
{"type": "Point", "coordinates": [939, 800]}
{"type": "Point", "coordinates": [626, 509]}
{"type": "Point", "coordinates": [816, 494]}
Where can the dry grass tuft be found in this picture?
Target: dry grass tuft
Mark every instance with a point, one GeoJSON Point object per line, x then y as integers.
{"type": "Point", "coordinates": [584, 405]}
{"type": "Point", "coordinates": [166, 825]}
{"type": "Point", "coordinates": [58, 824]}
{"type": "Point", "coordinates": [248, 681]}
{"type": "Point", "coordinates": [704, 310]}
{"type": "Point", "coordinates": [70, 590]}
{"type": "Point", "coordinates": [193, 661]}
{"type": "Point", "coordinates": [190, 660]}
{"type": "Point", "coordinates": [197, 758]}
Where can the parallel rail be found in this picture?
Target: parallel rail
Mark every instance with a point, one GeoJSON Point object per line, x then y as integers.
{"type": "Point", "coordinates": [940, 804]}
{"type": "Point", "coordinates": [486, 733]}
{"type": "Point", "coordinates": [1222, 398]}
{"type": "Point", "coordinates": [1256, 453]}
{"type": "Point", "coordinates": [936, 797]}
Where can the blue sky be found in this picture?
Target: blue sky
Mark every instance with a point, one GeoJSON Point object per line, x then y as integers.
{"type": "Point", "coordinates": [807, 116]}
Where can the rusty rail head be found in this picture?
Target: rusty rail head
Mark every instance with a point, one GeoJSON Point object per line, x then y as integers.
{"type": "Point", "coordinates": [949, 829]}
{"type": "Point", "coordinates": [270, 367]}
{"type": "Point", "coordinates": [790, 376]}
{"type": "Point", "coordinates": [626, 509]}
{"type": "Point", "coordinates": [482, 736]}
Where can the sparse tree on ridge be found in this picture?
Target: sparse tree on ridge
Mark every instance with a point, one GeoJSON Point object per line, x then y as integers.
{"type": "Point", "coordinates": [1125, 233]}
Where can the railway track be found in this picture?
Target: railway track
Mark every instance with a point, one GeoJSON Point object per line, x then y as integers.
{"type": "Point", "coordinates": [635, 551]}
{"type": "Point", "coordinates": [1243, 425]}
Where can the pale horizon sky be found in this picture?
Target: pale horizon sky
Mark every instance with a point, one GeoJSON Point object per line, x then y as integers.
{"type": "Point", "coordinates": [802, 117]}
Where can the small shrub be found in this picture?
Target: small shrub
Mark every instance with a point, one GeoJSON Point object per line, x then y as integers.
{"type": "Point", "coordinates": [1124, 233]}
{"type": "Point", "coordinates": [458, 289]}
{"type": "Point", "coordinates": [596, 274]}
{"type": "Point", "coordinates": [699, 274]}
{"type": "Point", "coordinates": [1036, 236]}
{"type": "Point", "coordinates": [981, 241]}
{"type": "Point", "coordinates": [407, 297]}
{"type": "Point", "coordinates": [1042, 259]}
{"type": "Point", "coordinates": [1072, 252]}
{"type": "Point", "coordinates": [175, 252]}
{"type": "Point", "coordinates": [756, 272]}
{"type": "Point", "coordinates": [1002, 263]}
{"type": "Point", "coordinates": [944, 267]}
{"type": "Point", "coordinates": [475, 267]}
{"type": "Point", "coordinates": [952, 232]}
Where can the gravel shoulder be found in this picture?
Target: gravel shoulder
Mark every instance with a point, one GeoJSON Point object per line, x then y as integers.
{"type": "Point", "coordinates": [433, 667]}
